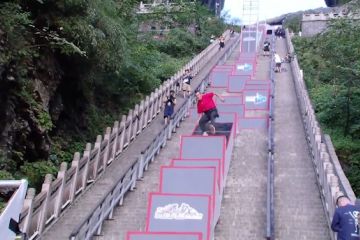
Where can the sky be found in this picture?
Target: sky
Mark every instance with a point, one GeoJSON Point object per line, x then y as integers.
{"type": "Point", "coordinates": [271, 8]}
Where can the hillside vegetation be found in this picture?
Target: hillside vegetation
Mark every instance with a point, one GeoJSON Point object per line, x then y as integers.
{"type": "Point", "coordinates": [68, 68]}
{"type": "Point", "coordinates": [331, 64]}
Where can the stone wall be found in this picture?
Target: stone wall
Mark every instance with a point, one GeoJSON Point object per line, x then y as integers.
{"type": "Point", "coordinates": [315, 23]}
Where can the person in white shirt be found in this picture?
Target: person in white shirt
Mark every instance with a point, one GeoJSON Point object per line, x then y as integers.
{"type": "Point", "coordinates": [277, 60]}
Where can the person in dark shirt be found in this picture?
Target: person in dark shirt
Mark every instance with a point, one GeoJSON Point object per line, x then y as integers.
{"type": "Point", "coordinates": [169, 102]}
{"type": "Point", "coordinates": [346, 220]}
{"type": "Point", "coordinates": [266, 48]}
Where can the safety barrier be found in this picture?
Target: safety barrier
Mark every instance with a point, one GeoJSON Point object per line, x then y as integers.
{"type": "Point", "coordinates": [330, 176]}
{"type": "Point", "coordinates": [270, 220]}
{"type": "Point", "coordinates": [93, 222]}
{"type": "Point", "coordinates": [39, 211]}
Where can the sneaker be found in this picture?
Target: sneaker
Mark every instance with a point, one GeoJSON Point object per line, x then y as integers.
{"type": "Point", "coordinates": [212, 129]}
{"type": "Point", "coordinates": [205, 134]}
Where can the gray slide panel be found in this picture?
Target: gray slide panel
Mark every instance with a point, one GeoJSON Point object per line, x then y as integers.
{"type": "Point", "coordinates": [198, 147]}
{"type": "Point", "coordinates": [248, 46]}
{"type": "Point", "coordinates": [164, 236]}
{"type": "Point", "coordinates": [220, 78]}
{"type": "Point", "coordinates": [180, 213]}
{"type": "Point", "coordinates": [239, 109]}
{"type": "Point", "coordinates": [247, 56]}
{"type": "Point", "coordinates": [189, 180]}
{"type": "Point", "coordinates": [231, 100]}
{"type": "Point", "coordinates": [257, 87]}
{"type": "Point", "coordinates": [226, 117]}
{"type": "Point", "coordinates": [258, 82]}
{"type": "Point", "coordinates": [253, 123]}
{"type": "Point", "coordinates": [256, 99]}
{"type": "Point", "coordinates": [192, 180]}
{"type": "Point", "coordinates": [237, 83]}
{"type": "Point", "coordinates": [201, 163]}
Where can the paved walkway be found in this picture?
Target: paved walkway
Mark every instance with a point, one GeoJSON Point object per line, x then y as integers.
{"type": "Point", "coordinates": [299, 212]}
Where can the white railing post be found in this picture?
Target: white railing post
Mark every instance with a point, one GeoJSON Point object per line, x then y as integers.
{"type": "Point", "coordinates": [61, 175]}
{"type": "Point", "coordinates": [115, 146]}
{"type": "Point", "coordinates": [74, 163]}
{"type": "Point", "coordinates": [141, 116]}
{"type": "Point", "coordinates": [97, 158]}
{"type": "Point", "coordinates": [28, 204]}
{"type": "Point", "coordinates": [123, 132]}
{"type": "Point", "coordinates": [86, 155]}
{"type": "Point", "coordinates": [46, 187]}
{"type": "Point", "coordinates": [130, 125]}
{"type": "Point", "coordinates": [136, 121]}
{"type": "Point", "coordinates": [107, 139]}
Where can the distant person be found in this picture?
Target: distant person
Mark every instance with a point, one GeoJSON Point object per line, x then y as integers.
{"type": "Point", "coordinates": [207, 107]}
{"type": "Point", "coordinates": [266, 48]}
{"type": "Point", "coordinates": [277, 60]}
{"type": "Point", "coordinates": [288, 58]}
{"type": "Point", "coordinates": [346, 219]}
{"type": "Point", "coordinates": [169, 102]}
{"type": "Point", "coordinates": [282, 33]}
{"type": "Point", "coordinates": [186, 87]}
{"type": "Point", "coordinates": [232, 32]}
{"type": "Point", "coordinates": [221, 42]}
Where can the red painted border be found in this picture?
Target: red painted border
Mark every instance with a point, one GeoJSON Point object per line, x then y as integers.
{"type": "Point", "coordinates": [205, 159]}
{"type": "Point", "coordinates": [228, 86]}
{"type": "Point", "coordinates": [250, 118]}
{"type": "Point", "coordinates": [186, 168]}
{"type": "Point", "coordinates": [197, 234]}
{"type": "Point", "coordinates": [197, 136]}
{"type": "Point", "coordinates": [232, 104]}
{"type": "Point", "coordinates": [254, 90]}
{"type": "Point", "coordinates": [209, 223]}
{"type": "Point", "coordinates": [211, 77]}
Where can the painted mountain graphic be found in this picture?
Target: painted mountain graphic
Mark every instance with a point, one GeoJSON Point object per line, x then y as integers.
{"type": "Point", "coordinates": [175, 212]}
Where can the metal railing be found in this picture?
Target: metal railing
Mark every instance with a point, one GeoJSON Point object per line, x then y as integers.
{"type": "Point", "coordinates": [329, 174]}
{"type": "Point", "coordinates": [9, 217]}
{"type": "Point", "coordinates": [270, 220]}
{"type": "Point", "coordinates": [93, 222]}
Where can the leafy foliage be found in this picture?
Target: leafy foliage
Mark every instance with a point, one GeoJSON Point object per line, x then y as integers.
{"type": "Point", "coordinates": [331, 63]}
{"type": "Point", "coordinates": [71, 67]}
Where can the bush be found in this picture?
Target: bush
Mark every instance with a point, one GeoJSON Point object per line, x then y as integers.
{"type": "Point", "coordinates": [35, 172]}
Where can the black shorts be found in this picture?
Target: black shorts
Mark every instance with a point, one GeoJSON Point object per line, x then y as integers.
{"type": "Point", "coordinates": [222, 44]}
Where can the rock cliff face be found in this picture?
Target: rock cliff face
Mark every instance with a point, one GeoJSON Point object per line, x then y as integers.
{"type": "Point", "coordinates": [25, 112]}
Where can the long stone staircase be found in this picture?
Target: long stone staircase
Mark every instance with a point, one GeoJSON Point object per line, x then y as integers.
{"type": "Point", "coordinates": [298, 204]}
